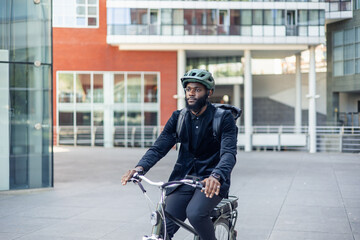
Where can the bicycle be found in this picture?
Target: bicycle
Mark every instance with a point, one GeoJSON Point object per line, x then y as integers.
{"type": "Point", "coordinates": [223, 216]}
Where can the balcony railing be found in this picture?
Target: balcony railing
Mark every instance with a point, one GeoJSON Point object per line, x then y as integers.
{"type": "Point", "coordinates": [337, 6]}
{"type": "Point", "coordinates": [215, 30]}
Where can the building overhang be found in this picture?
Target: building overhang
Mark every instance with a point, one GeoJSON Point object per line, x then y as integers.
{"type": "Point", "coordinates": [261, 47]}
{"type": "Point", "coordinates": [331, 17]}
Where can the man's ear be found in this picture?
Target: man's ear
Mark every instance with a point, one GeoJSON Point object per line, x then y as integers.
{"type": "Point", "coordinates": [211, 92]}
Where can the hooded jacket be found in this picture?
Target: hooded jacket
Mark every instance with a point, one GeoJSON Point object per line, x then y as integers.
{"type": "Point", "coordinates": [211, 154]}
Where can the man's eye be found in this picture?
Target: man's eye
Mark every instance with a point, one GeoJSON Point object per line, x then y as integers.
{"type": "Point", "coordinates": [198, 90]}
{"type": "Point", "coordinates": [188, 89]}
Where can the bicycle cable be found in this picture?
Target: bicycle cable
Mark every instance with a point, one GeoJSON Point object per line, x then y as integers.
{"type": "Point", "coordinates": [150, 203]}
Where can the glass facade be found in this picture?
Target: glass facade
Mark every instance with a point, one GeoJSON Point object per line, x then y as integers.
{"type": "Point", "coordinates": [85, 112]}
{"type": "Point", "coordinates": [215, 22]}
{"type": "Point", "coordinates": [26, 157]}
{"type": "Point", "coordinates": [346, 52]}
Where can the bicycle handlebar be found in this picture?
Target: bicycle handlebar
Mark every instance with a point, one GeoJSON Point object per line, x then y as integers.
{"type": "Point", "coordinates": [136, 179]}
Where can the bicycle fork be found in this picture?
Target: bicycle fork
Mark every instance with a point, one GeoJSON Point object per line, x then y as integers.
{"type": "Point", "coordinates": [156, 220]}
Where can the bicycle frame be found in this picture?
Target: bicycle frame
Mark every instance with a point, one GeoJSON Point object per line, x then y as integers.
{"type": "Point", "coordinates": [159, 215]}
{"type": "Point", "coordinates": [158, 218]}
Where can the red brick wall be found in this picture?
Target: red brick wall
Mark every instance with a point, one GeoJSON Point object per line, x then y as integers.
{"type": "Point", "coordinates": [82, 49]}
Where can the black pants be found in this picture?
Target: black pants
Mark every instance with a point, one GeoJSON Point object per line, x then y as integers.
{"type": "Point", "coordinates": [188, 202]}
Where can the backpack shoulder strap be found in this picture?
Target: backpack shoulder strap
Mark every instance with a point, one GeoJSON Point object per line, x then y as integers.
{"type": "Point", "coordinates": [180, 123]}
{"type": "Point", "coordinates": [219, 112]}
{"type": "Point", "coordinates": [218, 116]}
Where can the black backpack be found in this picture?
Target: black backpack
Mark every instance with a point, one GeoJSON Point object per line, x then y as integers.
{"type": "Point", "coordinates": [220, 111]}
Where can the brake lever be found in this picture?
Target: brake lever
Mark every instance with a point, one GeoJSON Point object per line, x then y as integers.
{"type": "Point", "coordinates": [135, 179]}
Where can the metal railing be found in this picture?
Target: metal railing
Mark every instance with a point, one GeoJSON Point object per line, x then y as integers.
{"type": "Point", "coordinates": [275, 138]}
{"type": "Point", "coordinates": [130, 136]}
{"type": "Point", "coordinates": [283, 138]}
{"type": "Point", "coordinates": [212, 30]}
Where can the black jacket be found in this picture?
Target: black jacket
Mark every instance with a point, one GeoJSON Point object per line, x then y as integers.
{"type": "Point", "coordinates": [211, 155]}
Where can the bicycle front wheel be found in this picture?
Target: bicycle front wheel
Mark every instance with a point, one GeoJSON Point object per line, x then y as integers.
{"type": "Point", "coordinates": [222, 229]}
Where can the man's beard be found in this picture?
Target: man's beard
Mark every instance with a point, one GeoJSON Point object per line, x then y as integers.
{"type": "Point", "coordinates": [200, 102]}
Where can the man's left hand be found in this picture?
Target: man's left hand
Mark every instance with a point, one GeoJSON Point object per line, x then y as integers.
{"type": "Point", "coordinates": [212, 186]}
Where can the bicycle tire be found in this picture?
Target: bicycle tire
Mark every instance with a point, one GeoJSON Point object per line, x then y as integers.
{"type": "Point", "coordinates": [222, 229]}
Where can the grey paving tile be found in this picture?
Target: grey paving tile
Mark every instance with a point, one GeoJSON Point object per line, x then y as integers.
{"type": "Point", "coordinates": [357, 236]}
{"type": "Point", "coordinates": [10, 236]}
{"type": "Point", "coordinates": [288, 235]}
{"type": "Point", "coordinates": [252, 222]}
{"type": "Point", "coordinates": [352, 202]}
{"type": "Point", "coordinates": [52, 212]}
{"type": "Point", "coordinates": [313, 219]}
{"type": "Point", "coordinates": [79, 229]}
{"type": "Point", "coordinates": [315, 183]}
{"type": "Point", "coordinates": [51, 237]}
{"type": "Point", "coordinates": [131, 230]}
{"type": "Point", "coordinates": [19, 224]}
{"type": "Point", "coordinates": [314, 198]}
{"type": "Point", "coordinates": [114, 214]}
{"type": "Point", "coordinates": [350, 191]}
{"type": "Point", "coordinates": [355, 226]}
{"type": "Point", "coordinates": [354, 214]}
{"type": "Point", "coordinates": [253, 235]}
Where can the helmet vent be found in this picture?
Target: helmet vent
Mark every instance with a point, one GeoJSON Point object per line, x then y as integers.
{"type": "Point", "coordinates": [202, 75]}
{"type": "Point", "coordinates": [193, 74]}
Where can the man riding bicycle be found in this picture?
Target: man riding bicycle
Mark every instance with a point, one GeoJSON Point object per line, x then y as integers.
{"type": "Point", "coordinates": [202, 155]}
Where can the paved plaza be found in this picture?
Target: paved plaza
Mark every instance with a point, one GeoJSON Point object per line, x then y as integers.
{"type": "Point", "coordinates": [282, 196]}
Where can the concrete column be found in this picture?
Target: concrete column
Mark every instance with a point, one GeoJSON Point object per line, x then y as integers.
{"type": "Point", "coordinates": [298, 107]}
{"type": "Point", "coordinates": [237, 96]}
{"type": "Point", "coordinates": [181, 69]}
{"type": "Point", "coordinates": [248, 112]}
{"type": "Point", "coordinates": [4, 121]}
{"type": "Point", "coordinates": [108, 110]}
{"type": "Point", "coordinates": [312, 104]}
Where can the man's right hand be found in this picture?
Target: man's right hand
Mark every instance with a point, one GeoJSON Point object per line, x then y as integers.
{"type": "Point", "coordinates": [129, 174]}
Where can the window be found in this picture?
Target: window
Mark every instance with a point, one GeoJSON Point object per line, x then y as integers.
{"type": "Point", "coordinates": [98, 88]}
{"type": "Point", "coordinates": [245, 17]}
{"type": "Point", "coordinates": [314, 17]}
{"type": "Point", "coordinates": [338, 53]}
{"type": "Point", "coordinates": [166, 21]}
{"type": "Point", "coordinates": [234, 22]}
{"type": "Point", "coordinates": [303, 17]}
{"type": "Point", "coordinates": [83, 88]}
{"type": "Point", "coordinates": [346, 47]}
{"type": "Point", "coordinates": [269, 17]}
{"type": "Point", "coordinates": [257, 17]}
{"type": "Point", "coordinates": [150, 88]}
{"type": "Point", "coordinates": [119, 88]}
{"type": "Point", "coordinates": [357, 51]}
{"type": "Point", "coordinates": [76, 13]}
{"type": "Point", "coordinates": [279, 17]}
{"type": "Point", "coordinates": [66, 87]}
{"type": "Point", "coordinates": [83, 107]}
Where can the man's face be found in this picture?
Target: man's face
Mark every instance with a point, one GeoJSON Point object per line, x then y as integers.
{"type": "Point", "coordinates": [195, 96]}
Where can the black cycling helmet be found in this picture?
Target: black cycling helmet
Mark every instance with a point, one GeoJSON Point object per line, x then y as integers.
{"type": "Point", "coordinates": [199, 75]}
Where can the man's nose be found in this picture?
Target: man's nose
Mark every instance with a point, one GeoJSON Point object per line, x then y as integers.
{"type": "Point", "coordinates": [192, 92]}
